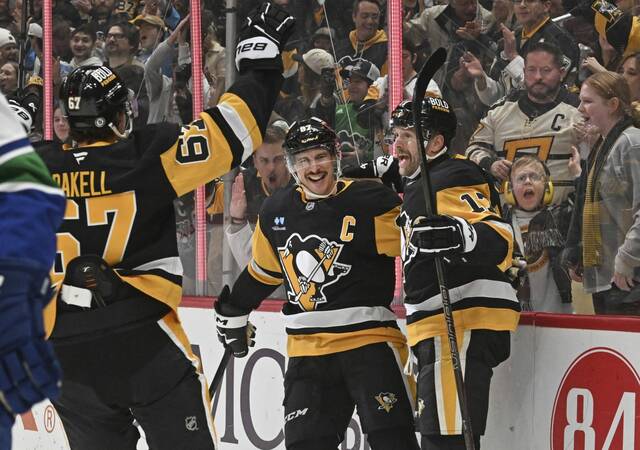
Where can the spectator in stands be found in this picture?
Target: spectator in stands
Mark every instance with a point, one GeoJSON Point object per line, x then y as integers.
{"type": "Point", "coordinates": [502, 11]}
{"type": "Point", "coordinates": [9, 78]}
{"type": "Point", "coordinates": [409, 74]}
{"type": "Point", "coordinates": [122, 44]}
{"type": "Point", "coordinates": [322, 38]}
{"type": "Point", "coordinates": [458, 23]}
{"type": "Point", "coordinates": [5, 14]}
{"type": "Point", "coordinates": [366, 41]}
{"type": "Point", "coordinates": [603, 245]}
{"type": "Point", "coordinates": [60, 125]}
{"type": "Point", "coordinates": [159, 86]}
{"type": "Point", "coordinates": [61, 33]}
{"type": "Point", "coordinates": [8, 47]}
{"type": "Point", "coordinates": [608, 59]}
{"type": "Point", "coordinates": [540, 230]}
{"type": "Point", "coordinates": [82, 44]}
{"type": "Point", "coordinates": [151, 33]}
{"type": "Point", "coordinates": [101, 12]}
{"type": "Point", "coordinates": [630, 70]}
{"type": "Point", "coordinates": [536, 121]}
{"type": "Point", "coordinates": [252, 186]}
{"type": "Point", "coordinates": [535, 25]}
{"type": "Point", "coordinates": [357, 122]}
{"type": "Point", "coordinates": [311, 66]}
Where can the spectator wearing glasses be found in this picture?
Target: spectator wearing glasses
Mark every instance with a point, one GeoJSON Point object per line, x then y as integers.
{"type": "Point", "coordinates": [540, 230]}
{"type": "Point", "coordinates": [121, 45]}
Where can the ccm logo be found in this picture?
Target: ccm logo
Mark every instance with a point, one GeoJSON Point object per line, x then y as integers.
{"type": "Point", "coordinates": [295, 414]}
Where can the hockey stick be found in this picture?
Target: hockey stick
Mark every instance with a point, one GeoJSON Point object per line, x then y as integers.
{"type": "Point", "coordinates": [217, 378]}
{"type": "Point", "coordinates": [429, 69]}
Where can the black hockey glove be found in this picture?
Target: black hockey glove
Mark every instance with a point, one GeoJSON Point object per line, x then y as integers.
{"type": "Point", "coordinates": [261, 39]}
{"type": "Point", "coordinates": [443, 235]}
{"type": "Point", "coordinates": [233, 326]}
{"type": "Point", "coordinates": [384, 167]}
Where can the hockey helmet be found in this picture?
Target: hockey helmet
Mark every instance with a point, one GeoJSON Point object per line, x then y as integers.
{"type": "Point", "coordinates": [435, 115]}
{"type": "Point", "coordinates": [21, 114]}
{"type": "Point", "coordinates": [310, 134]}
{"type": "Point", "coordinates": [92, 97]}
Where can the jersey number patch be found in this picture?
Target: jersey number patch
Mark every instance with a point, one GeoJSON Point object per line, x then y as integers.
{"type": "Point", "coordinates": [122, 206]}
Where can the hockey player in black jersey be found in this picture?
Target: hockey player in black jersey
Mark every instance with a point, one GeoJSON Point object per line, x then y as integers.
{"type": "Point", "coordinates": [114, 324]}
{"type": "Point", "coordinates": [332, 244]}
{"type": "Point", "coordinates": [477, 246]}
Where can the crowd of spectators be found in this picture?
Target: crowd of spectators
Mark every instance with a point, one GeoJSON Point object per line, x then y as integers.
{"type": "Point", "coordinates": [513, 74]}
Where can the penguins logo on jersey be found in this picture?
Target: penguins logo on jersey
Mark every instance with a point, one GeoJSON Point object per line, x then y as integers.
{"type": "Point", "coordinates": [408, 249]}
{"type": "Point", "coordinates": [310, 264]}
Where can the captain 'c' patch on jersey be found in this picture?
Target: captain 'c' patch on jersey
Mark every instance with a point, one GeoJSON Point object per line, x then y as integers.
{"type": "Point", "coordinates": [310, 264]}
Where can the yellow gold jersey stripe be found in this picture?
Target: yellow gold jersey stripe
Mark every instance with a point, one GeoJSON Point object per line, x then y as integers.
{"type": "Point", "coordinates": [185, 177]}
{"type": "Point", "coordinates": [157, 287]}
{"type": "Point", "coordinates": [498, 319]}
{"type": "Point", "coordinates": [263, 253]}
{"type": "Point", "coordinates": [387, 233]}
{"type": "Point", "coordinates": [504, 230]}
{"type": "Point", "coordinates": [452, 201]}
{"type": "Point", "coordinates": [260, 275]}
{"type": "Point", "coordinates": [327, 343]}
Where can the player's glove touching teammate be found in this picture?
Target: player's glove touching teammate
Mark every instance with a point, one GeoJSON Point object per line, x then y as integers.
{"type": "Point", "coordinates": [29, 372]}
{"type": "Point", "coordinates": [443, 235]}
{"type": "Point", "coordinates": [262, 38]}
{"type": "Point", "coordinates": [233, 326]}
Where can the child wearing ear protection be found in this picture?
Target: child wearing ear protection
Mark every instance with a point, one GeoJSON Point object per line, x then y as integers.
{"type": "Point", "coordinates": [540, 231]}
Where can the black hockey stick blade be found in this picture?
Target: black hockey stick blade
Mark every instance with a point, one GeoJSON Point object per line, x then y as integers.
{"type": "Point", "coordinates": [217, 378]}
{"type": "Point", "coordinates": [429, 69]}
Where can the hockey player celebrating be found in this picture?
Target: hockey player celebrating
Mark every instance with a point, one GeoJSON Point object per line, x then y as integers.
{"type": "Point", "coordinates": [477, 245]}
{"type": "Point", "coordinates": [31, 208]}
{"type": "Point", "coordinates": [116, 332]}
{"type": "Point", "coordinates": [332, 244]}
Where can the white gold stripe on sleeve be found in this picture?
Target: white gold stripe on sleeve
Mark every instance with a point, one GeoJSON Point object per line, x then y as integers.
{"type": "Point", "coordinates": [476, 288]}
{"type": "Point", "coordinates": [172, 265]}
{"type": "Point", "coordinates": [240, 130]}
{"type": "Point", "coordinates": [340, 317]}
{"type": "Point", "coordinates": [256, 268]}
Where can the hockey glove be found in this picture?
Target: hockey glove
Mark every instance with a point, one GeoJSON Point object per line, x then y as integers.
{"type": "Point", "coordinates": [443, 235]}
{"type": "Point", "coordinates": [29, 372]}
{"type": "Point", "coordinates": [233, 326]}
{"type": "Point", "coordinates": [262, 38]}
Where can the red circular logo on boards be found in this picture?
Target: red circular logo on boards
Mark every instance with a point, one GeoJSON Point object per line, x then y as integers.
{"type": "Point", "coordinates": [597, 406]}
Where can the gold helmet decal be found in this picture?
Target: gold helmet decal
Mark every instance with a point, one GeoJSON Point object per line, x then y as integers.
{"type": "Point", "coordinates": [310, 264]}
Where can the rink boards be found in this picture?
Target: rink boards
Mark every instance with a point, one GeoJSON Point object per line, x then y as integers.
{"type": "Point", "coordinates": [571, 383]}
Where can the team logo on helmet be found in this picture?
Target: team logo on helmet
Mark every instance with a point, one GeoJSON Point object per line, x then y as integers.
{"type": "Point", "coordinates": [310, 265]}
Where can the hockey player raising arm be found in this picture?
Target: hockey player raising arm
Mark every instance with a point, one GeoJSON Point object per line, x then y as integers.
{"type": "Point", "coordinates": [477, 246]}
{"type": "Point", "coordinates": [31, 207]}
{"type": "Point", "coordinates": [332, 244]}
{"type": "Point", "coordinates": [115, 325]}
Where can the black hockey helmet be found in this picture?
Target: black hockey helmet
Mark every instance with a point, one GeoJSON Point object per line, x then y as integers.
{"type": "Point", "coordinates": [310, 134]}
{"type": "Point", "coordinates": [92, 97]}
{"type": "Point", "coordinates": [435, 115]}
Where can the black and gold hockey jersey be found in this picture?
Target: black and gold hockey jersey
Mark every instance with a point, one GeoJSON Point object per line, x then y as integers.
{"type": "Point", "coordinates": [120, 194]}
{"type": "Point", "coordinates": [335, 257]}
{"type": "Point", "coordinates": [481, 295]}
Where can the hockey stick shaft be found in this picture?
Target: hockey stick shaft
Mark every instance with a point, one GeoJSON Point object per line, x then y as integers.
{"type": "Point", "coordinates": [432, 65]}
{"type": "Point", "coordinates": [217, 378]}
